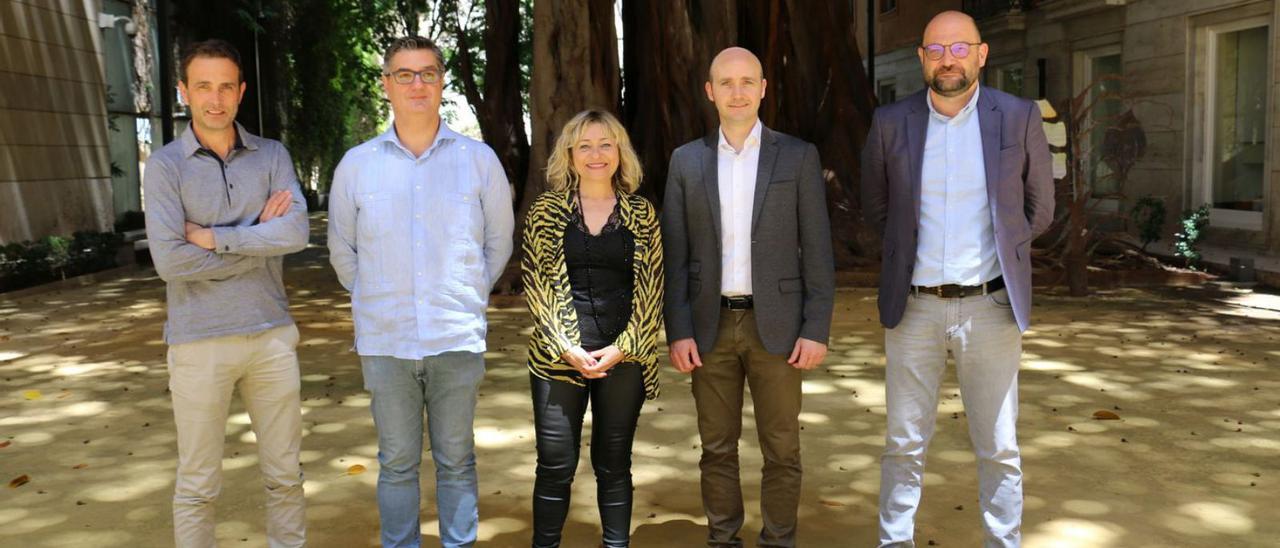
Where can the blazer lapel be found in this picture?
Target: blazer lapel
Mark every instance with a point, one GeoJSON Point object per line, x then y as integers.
{"type": "Point", "coordinates": [990, 119]}
{"type": "Point", "coordinates": [917, 131]}
{"type": "Point", "coordinates": [764, 173]}
{"type": "Point", "coordinates": [710, 180]}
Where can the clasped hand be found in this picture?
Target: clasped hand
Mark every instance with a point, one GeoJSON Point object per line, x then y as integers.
{"type": "Point", "coordinates": [592, 365]}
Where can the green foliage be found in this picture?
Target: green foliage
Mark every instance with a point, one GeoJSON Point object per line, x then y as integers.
{"type": "Point", "coordinates": [1193, 224]}
{"type": "Point", "coordinates": [473, 26]}
{"type": "Point", "coordinates": [329, 53]}
{"type": "Point", "coordinates": [335, 100]}
{"type": "Point", "coordinates": [1148, 214]}
{"type": "Point", "coordinates": [55, 257]}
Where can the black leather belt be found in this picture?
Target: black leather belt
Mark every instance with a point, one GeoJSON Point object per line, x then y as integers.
{"type": "Point", "coordinates": [953, 291]}
{"type": "Point", "coordinates": [737, 302]}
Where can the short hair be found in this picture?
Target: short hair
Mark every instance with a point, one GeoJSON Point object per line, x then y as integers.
{"type": "Point", "coordinates": [211, 48]}
{"type": "Point", "coordinates": [562, 177]}
{"type": "Point", "coordinates": [410, 43]}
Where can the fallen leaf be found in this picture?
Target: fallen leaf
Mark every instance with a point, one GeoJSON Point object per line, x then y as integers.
{"type": "Point", "coordinates": [32, 394]}
{"type": "Point", "coordinates": [4, 444]}
{"type": "Point", "coordinates": [831, 503]}
{"type": "Point", "coordinates": [1104, 415]}
{"type": "Point", "coordinates": [19, 481]}
{"type": "Point", "coordinates": [80, 466]}
{"type": "Point", "coordinates": [355, 469]}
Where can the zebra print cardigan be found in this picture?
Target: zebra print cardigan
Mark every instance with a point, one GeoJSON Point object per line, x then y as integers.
{"type": "Point", "coordinates": [547, 290]}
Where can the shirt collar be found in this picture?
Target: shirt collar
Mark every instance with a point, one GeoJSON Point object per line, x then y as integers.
{"type": "Point", "coordinates": [753, 138]}
{"type": "Point", "coordinates": [444, 136]}
{"type": "Point", "coordinates": [191, 142]}
{"type": "Point", "coordinates": [964, 112]}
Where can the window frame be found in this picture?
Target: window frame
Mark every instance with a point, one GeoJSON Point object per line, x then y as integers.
{"type": "Point", "coordinates": [1208, 42]}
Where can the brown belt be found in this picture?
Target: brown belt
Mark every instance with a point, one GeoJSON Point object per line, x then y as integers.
{"type": "Point", "coordinates": [954, 291]}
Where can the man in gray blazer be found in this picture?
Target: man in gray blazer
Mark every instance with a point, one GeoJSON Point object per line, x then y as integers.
{"type": "Point", "coordinates": [957, 179]}
{"type": "Point", "coordinates": [749, 293]}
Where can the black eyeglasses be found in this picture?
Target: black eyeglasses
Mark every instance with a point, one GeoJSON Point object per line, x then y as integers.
{"type": "Point", "coordinates": [959, 50]}
{"type": "Point", "coordinates": [405, 77]}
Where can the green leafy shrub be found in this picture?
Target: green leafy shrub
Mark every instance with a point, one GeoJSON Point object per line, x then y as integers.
{"type": "Point", "coordinates": [1185, 240]}
{"type": "Point", "coordinates": [54, 258]}
{"type": "Point", "coordinates": [1148, 214]}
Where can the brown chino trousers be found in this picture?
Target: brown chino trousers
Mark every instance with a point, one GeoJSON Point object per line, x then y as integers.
{"type": "Point", "coordinates": [739, 356]}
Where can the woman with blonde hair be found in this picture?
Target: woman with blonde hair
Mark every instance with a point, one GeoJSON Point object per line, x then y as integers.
{"type": "Point", "coordinates": [592, 272]}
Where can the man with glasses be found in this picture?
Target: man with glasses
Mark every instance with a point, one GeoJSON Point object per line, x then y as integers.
{"type": "Point", "coordinates": [957, 180]}
{"type": "Point", "coordinates": [420, 227]}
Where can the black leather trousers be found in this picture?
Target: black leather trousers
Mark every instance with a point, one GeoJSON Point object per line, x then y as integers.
{"type": "Point", "coordinates": [558, 409]}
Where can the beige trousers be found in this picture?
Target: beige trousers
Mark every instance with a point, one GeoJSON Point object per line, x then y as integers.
{"type": "Point", "coordinates": [202, 375]}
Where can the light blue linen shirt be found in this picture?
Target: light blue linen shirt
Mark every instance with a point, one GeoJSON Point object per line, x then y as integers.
{"type": "Point", "coordinates": [419, 242]}
{"type": "Point", "coordinates": [957, 239]}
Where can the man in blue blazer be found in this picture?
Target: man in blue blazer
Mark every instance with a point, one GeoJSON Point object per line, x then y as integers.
{"type": "Point", "coordinates": [957, 179]}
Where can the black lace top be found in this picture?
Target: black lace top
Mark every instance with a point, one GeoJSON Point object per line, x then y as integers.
{"type": "Point", "coordinates": [600, 275]}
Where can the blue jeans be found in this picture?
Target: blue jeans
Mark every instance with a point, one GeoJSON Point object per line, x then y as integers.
{"type": "Point", "coordinates": [445, 386]}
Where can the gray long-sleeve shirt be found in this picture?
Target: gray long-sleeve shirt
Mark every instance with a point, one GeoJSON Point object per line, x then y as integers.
{"type": "Point", "coordinates": [238, 287]}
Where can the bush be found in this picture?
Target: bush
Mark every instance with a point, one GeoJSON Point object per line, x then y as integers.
{"type": "Point", "coordinates": [1185, 240]}
{"type": "Point", "coordinates": [55, 258]}
{"type": "Point", "coordinates": [1148, 213]}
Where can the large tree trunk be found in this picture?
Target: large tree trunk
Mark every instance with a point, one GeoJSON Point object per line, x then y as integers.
{"type": "Point", "coordinates": [575, 67]}
{"type": "Point", "coordinates": [669, 46]}
{"type": "Point", "coordinates": [500, 110]}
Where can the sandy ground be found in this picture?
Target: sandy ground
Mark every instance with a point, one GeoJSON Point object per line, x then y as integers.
{"type": "Point", "coordinates": [1194, 460]}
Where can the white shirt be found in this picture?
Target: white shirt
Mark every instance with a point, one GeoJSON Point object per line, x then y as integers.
{"type": "Point", "coordinates": [736, 177]}
{"type": "Point", "coordinates": [957, 240]}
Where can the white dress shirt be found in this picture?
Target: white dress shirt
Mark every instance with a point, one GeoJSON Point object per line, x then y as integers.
{"type": "Point", "coordinates": [957, 239]}
{"type": "Point", "coordinates": [736, 177]}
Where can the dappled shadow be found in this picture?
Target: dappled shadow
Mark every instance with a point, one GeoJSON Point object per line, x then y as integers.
{"type": "Point", "coordinates": [1192, 461]}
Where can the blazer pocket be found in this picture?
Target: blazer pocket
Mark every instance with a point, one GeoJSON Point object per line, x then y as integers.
{"type": "Point", "coordinates": [790, 285]}
{"type": "Point", "coordinates": [695, 269]}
